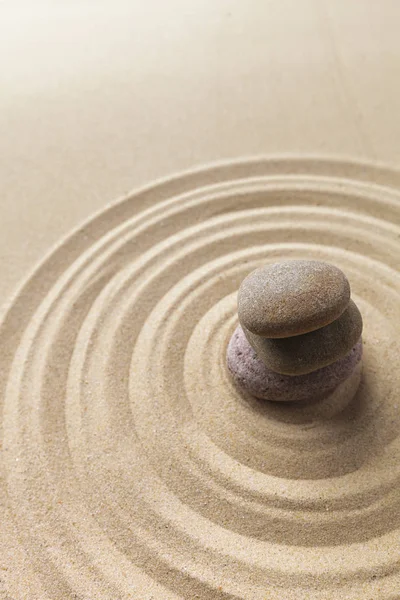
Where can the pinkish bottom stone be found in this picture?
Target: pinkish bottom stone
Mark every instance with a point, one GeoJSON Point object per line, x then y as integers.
{"type": "Point", "coordinates": [251, 374]}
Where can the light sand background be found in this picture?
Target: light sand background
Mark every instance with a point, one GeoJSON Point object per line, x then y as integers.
{"type": "Point", "coordinates": [99, 97]}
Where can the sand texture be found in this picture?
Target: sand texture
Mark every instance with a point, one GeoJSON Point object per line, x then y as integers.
{"type": "Point", "coordinates": [132, 468]}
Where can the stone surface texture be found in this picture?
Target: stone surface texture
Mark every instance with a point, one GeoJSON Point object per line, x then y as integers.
{"type": "Point", "coordinates": [292, 298]}
{"type": "Point", "coordinates": [305, 353]}
{"type": "Point", "coordinates": [252, 374]}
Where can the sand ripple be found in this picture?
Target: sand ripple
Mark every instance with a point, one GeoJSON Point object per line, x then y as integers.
{"type": "Point", "coordinates": [132, 466]}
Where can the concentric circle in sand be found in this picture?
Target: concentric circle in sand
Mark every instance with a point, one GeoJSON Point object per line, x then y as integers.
{"type": "Point", "coordinates": [133, 468]}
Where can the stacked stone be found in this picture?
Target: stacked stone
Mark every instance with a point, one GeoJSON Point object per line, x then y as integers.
{"type": "Point", "coordinates": [300, 333]}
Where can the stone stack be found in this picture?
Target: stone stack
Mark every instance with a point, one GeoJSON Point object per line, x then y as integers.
{"type": "Point", "coordinates": [299, 334]}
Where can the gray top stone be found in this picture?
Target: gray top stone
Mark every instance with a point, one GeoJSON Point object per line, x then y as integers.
{"type": "Point", "coordinates": [292, 298]}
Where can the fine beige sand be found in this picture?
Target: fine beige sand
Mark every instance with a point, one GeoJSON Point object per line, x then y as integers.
{"type": "Point", "coordinates": [131, 467]}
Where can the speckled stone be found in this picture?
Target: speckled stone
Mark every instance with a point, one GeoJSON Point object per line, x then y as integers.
{"type": "Point", "coordinates": [252, 375]}
{"type": "Point", "coordinates": [292, 298]}
{"type": "Point", "coordinates": [302, 354]}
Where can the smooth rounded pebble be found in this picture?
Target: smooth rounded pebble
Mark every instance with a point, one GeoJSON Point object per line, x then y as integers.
{"type": "Point", "coordinates": [305, 353]}
{"type": "Point", "coordinates": [252, 374]}
{"type": "Point", "coordinates": [292, 297]}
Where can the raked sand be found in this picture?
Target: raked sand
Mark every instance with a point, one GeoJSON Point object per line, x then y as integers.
{"type": "Point", "coordinates": [131, 468]}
